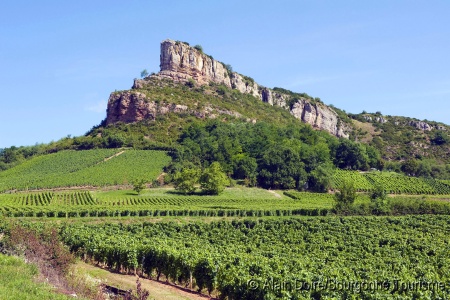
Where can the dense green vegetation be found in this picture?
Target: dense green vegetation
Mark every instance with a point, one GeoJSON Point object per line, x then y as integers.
{"type": "Point", "coordinates": [270, 156]}
{"type": "Point", "coordinates": [274, 259]}
{"type": "Point", "coordinates": [79, 168]}
{"type": "Point", "coordinates": [233, 202]}
{"type": "Point", "coordinates": [393, 183]}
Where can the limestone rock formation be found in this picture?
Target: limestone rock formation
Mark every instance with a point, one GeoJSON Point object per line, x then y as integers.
{"type": "Point", "coordinates": [421, 125]}
{"type": "Point", "coordinates": [129, 107]}
{"type": "Point", "coordinates": [180, 62]}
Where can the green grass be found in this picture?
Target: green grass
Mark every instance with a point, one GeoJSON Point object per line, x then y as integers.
{"type": "Point", "coordinates": [84, 168]}
{"type": "Point", "coordinates": [17, 281]}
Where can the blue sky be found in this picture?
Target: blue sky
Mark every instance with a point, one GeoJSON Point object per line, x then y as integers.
{"type": "Point", "coordinates": [60, 60]}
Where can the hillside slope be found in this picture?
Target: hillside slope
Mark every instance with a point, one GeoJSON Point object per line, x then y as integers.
{"type": "Point", "coordinates": [183, 64]}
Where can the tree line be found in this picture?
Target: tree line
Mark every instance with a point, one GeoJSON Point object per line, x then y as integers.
{"type": "Point", "coordinates": [268, 155]}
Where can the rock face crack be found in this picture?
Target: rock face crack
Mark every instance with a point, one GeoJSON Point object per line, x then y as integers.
{"type": "Point", "coordinates": [180, 62]}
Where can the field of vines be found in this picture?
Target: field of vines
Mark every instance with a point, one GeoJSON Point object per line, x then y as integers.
{"type": "Point", "coordinates": [292, 258]}
{"type": "Point", "coordinates": [393, 183]}
{"type": "Point", "coordinates": [235, 202]}
{"type": "Point", "coordinates": [84, 168]}
{"type": "Point", "coordinates": [91, 204]}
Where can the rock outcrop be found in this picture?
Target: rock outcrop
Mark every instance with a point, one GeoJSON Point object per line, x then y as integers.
{"type": "Point", "coordinates": [421, 125]}
{"type": "Point", "coordinates": [129, 107]}
{"type": "Point", "coordinates": [181, 63]}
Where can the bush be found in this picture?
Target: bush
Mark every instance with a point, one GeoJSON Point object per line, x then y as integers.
{"type": "Point", "coordinates": [379, 201]}
{"type": "Point", "coordinates": [345, 197]}
{"type": "Point", "coordinates": [199, 48]}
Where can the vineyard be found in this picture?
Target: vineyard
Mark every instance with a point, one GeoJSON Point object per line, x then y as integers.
{"type": "Point", "coordinates": [84, 168]}
{"type": "Point", "coordinates": [393, 183]}
{"type": "Point", "coordinates": [92, 204]}
{"type": "Point", "coordinates": [280, 259]}
{"type": "Point", "coordinates": [235, 202]}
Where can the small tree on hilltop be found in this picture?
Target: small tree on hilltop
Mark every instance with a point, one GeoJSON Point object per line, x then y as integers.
{"type": "Point", "coordinates": [199, 48]}
{"type": "Point", "coordinates": [144, 73]}
{"type": "Point", "coordinates": [345, 197]}
{"type": "Point", "coordinates": [213, 179]}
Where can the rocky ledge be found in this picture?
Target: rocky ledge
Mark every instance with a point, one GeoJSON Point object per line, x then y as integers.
{"type": "Point", "coordinates": [181, 63]}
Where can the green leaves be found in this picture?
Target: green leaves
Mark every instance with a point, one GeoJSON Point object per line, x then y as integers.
{"type": "Point", "coordinates": [226, 256]}
{"type": "Point", "coordinates": [186, 180]}
{"type": "Point", "coordinates": [213, 180]}
{"type": "Point", "coordinates": [345, 197]}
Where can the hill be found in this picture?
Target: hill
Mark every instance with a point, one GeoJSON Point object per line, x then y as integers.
{"type": "Point", "coordinates": [98, 167]}
{"type": "Point", "coordinates": [200, 111]}
{"type": "Point", "coordinates": [192, 83]}
{"type": "Point", "coordinates": [401, 138]}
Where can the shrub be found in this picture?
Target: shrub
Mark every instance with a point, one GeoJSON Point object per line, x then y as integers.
{"type": "Point", "coordinates": [345, 197]}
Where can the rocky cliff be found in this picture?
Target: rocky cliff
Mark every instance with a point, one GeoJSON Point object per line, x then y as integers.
{"type": "Point", "coordinates": [180, 62]}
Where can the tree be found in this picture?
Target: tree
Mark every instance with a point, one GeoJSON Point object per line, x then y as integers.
{"type": "Point", "coordinates": [379, 200]}
{"type": "Point", "coordinates": [229, 68]}
{"type": "Point", "coordinates": [144, 73]}
{"type": "Point", "coordinates": [186, 179]}
{"type": "Point", "coordinates": [282, 168]}
{"type": "Point", "coordinates": [440, 138]}
{"type": "Point", "coordinates": [410, 167]}
{"type": "Point", "coordinates": [199, 48]}
{"type": "Point", "coordinates": [244, 167]}
{"type": "Point", "coordinates": [319, 179]}
{"type": "Point", "coordinates": [351, 155]}
{"type": "Point", "coordinates": [138, 185]}
{"type": "Point", "coordinates": [345, 197]}
{"type": "Point", "coordinates": [213, 180]}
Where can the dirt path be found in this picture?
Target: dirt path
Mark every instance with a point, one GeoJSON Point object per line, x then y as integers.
{"type": "Point", "coordinates": [115, 155]}
{"type": "Point", "coordinates": [158, 290]}
{"type": "Point", "coordinates": [274, 193]}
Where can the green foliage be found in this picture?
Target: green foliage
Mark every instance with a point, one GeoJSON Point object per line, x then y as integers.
{"type": "Point", "coordinates": [138, 185]}
{"type": "Point", "coordinates": [229, 69]}
{"type": "Point", "coordinates": [213, 180]}
{"type": "Point", "coordinates": [345, 197]}
{"type": "Point", "coordinates": [320, 179]}
{"type": "Point", "coordinates": [190, 83]}
{"type": "Point", "coordinates": [380, 202]}
{"type": "Point", "coordinates": [199, 48]}
{"type": "Point", "coordinates": [350, 155]}
{"type": "Point", "coordinates": [282, 167]}
{"type": "Point", "coordinates": [224, 256]}
{"type": "Point", "coordinates": [245, 167]}
{"type": "Point", "coordinates": [393, 183]}
{"type": "Point", "coordinates": [410, 167]}
{"type": "Point", "coordinates": [186, 180]}
{"type": "Point", "coordinates": [440, 138]}
{"type": "Point", "coordinates": [144, 73]}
